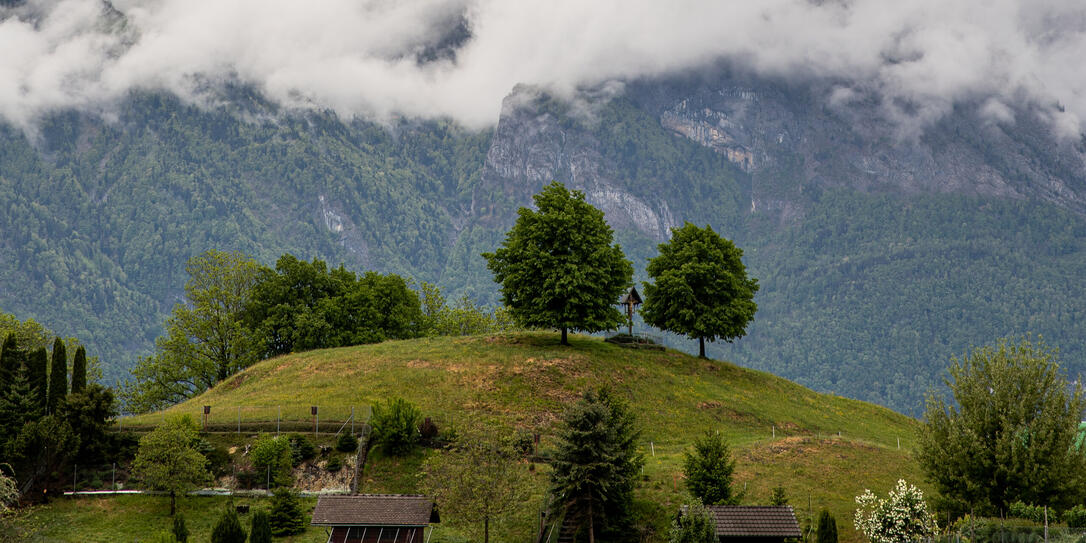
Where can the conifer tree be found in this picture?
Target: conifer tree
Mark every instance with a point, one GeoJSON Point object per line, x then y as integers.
{"type": "Point", "coordinates": [79, 370]}
{"type": "Point", "coordinates": [58, 376]}
{"type": "Point", "coordinates": [37, 375]}
{"type": "Point", "coordinates": [10, 360]}
{"type": "Point", "coordinates": [287, 517]}
{"type": "Point", "coordinates": [827, 528]}
{"type": "Point", "coordinates": [228, 529]}
{"type": "Point", "coordinates": [18, 405]}
{"type": "Point", "coordinates": [260, 529]}
{"type": "Point", "coordinates": [180, 531]}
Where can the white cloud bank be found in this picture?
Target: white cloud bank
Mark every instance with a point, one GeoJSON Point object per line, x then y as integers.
{"type": "Point", "coordinates": [358, 57]}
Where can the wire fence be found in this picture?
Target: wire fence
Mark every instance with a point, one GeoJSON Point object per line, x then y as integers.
{"type": "Point", "coordinates": [315, 419]}
{"type": "Point", "coordinates": [1014, 534]}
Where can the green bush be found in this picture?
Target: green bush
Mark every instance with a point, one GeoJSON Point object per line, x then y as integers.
{"type": "Point", "coordinates": [228, 529]}
{"type": "Point", "coordinates": [333, 464]}
{"type": "Point", "coordinates": [1075, 517]}
{"type": "Point", "coordinates": [260, 529]}
{"type": "Point", "coordinates": [180, 531]}
{"type": "Point", "coordinates": [346, 443]}
{"type": "Point", "coordinates": [301, 449]}
{"type": "Point", "coordinates": [271, 457]}
{"type": "Point", "coordinates": [162, 537]}
{"type": "Point", "coordinates": [1036, 513]}
{"type": "Point", "coordinates": [396, 426]}
{"type": "Point", "coordinates": [287, 517]}
{"type": "Point", "coordinates": [694, 525]}
{"type": "Point", "coordinates": [827, 527]}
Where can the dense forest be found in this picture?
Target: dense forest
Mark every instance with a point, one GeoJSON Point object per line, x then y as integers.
{"type": "Point", "coordinates": [865, 294]}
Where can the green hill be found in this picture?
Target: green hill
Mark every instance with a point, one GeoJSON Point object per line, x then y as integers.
{"type": "Point", "coordinates": [783, 434]}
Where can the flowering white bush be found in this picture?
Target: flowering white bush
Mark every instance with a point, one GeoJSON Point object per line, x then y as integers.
{"type": "Point", "coordinates": [901, 517]}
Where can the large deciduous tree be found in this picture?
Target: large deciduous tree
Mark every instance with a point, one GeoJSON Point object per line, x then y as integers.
{"type": "Point", "coordinates": [700, 289]}
{"type": "Point", "coordinates": [1011, 433]}
{"type": "Point", "coordinates": [479, 480]}
{"type": "Point", "coordinates": [167, 458]}
{"type": "Point", "coordinates": [205, 339]}
{"type": "Point", "coordinates": [558, 267]}
{"type": "Point", "coordinates": [596, 464]}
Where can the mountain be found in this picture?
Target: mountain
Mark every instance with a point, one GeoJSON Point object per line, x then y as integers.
{"type": "Point", "coordinates": [884, 244]}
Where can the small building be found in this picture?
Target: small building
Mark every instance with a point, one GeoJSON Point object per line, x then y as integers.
{"type": "Point", "coordinates": [755, 523]}
{"type": "Point", "coordinates": [375, 518]}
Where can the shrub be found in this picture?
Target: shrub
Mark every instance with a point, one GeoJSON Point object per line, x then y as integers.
{"type": "Point", "coordinates": [778, 497]}
{"type": "Point", "coordinates": [287, 517]}
{"type": "Point", "coordinates": [260, 529]}
{"type": "Point", "coordinates": [271, 456]}
{"type": "Point", "coordinates": [346, 443]}
{"type": "Point", "coordinates": [180, 531]}
{"type": "Point", "coordinates": [428, 429]}
{"type": "Point", "coordinates": [524, 443]}
{"type": "Point", "coordinates": [395, 426]}
{"type": "Point", "coordinates": [902, 516]}
{"type": "Point", "coordinates": [217, 457]}
{"type": "Point", "coordinates": [301, 449]}
{"type": "Point", "coordinates": [827, 527]}
{"type": "Point", "coordinates": [162, 537]}
{"type": "Point", "coordinates": [1075, 517]}
{"type": "Point", "coordinates": [228, 529]}
{"type": "Point", "coordinates": [694, 525]}
{"type": "Point", "coordinates": [247, 479]}
{"type": "Point", "coordinates": [333, 464]}
{"type": "Point", "coordinates": [1036, 513]}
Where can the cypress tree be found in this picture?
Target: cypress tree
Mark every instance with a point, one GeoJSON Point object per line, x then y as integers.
{"type": "Point", "coordinates": [10, 360]}
{"type": "Point", "coordinates": [260, 529]}
{"type": "Point", "coordinates": [228, 529]}
{"type": "Point", "coordinates": [180, 531]}
{"type": "Point", "coordinates": [36, 374]}
{"type": "Point", "coordinates": [58, 376]}
{"type": "Point", "coordinates": [79, 370]}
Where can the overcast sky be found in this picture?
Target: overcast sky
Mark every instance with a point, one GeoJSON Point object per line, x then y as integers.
{"type": "Point", "coordinates": [359, 57]}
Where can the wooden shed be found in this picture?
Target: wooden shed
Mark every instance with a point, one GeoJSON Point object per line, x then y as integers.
{"type": "Point", "coordinates": [755, 523]}
{"type": "Point", "coordinates": [375, 518]}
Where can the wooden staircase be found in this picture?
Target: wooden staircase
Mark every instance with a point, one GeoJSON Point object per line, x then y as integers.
{"type": "Point", "coordinates": [570, 524]}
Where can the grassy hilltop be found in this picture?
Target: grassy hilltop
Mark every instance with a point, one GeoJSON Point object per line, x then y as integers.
{"type": "Point", "coordinates": [524, 381]}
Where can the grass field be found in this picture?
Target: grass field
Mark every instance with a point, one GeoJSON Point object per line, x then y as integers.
{"type": "Point", "coordinates": [822, 449]}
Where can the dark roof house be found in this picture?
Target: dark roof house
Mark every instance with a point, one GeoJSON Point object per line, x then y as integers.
{"type": "Point", "coordinates": [375, 518]}
{"type": "Point", "coordinates": [754, 523]}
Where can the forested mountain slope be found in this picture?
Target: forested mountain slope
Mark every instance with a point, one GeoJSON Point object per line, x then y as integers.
{"type": "Point", "coordinates": [882, 249]}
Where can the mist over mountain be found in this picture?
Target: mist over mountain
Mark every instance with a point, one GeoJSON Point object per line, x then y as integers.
{"type": "Point", "coordinates": [906, 180]}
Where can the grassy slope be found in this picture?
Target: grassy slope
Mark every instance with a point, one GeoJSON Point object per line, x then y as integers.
{"type": "Point", "coordinates": [524, 381]}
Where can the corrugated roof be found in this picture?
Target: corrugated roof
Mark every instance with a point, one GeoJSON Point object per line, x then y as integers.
{"type": "Point", "coordinates": [755, 520]}
{"type": "Point", "coordinates": [375, 510]}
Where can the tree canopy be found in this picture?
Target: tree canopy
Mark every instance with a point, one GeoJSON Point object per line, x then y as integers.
{"type": "Point", "coordinates": [1011, 433]}
{"type": "Point", "coordinates": [700, 289]}
{"type": "Point", "coordinates": [558, 267]}
{"type": "Point", "coordinates": [708, 469]}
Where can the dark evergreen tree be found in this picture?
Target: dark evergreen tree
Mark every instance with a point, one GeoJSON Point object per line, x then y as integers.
{"type": "Point", "coordinates": [287, 517]}
{"type": "Point", "coordinates": [58, 376]}
{"type": "Point", "coordinates": [260, 528]}
{"type": "Point", "coordinates": [596, 464]}
{"type": "Point", "coordinates": [558, 267]}
{"type": "Point", "coordinates": [228, 529]}
{"type": "Point", "coordinates": [90, 413]}
{"type": "Point", "coordinates": [11, 358]}
{"type": "Point", "coordinates": [709, 469]}
{"type": "Point", "coordinates": [180, 531]}
{"type": "Point", "coordinates": [79, 370]}
{"type": "Point", "coordinates": [18, 405]}
{"type": "Point", "coordinates": [827, 528]}
{"type": "Point", "coordinates": [37, 367]}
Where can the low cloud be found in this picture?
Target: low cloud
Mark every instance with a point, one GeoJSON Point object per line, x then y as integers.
{"type": "Point", "coordinates": [373, 58]}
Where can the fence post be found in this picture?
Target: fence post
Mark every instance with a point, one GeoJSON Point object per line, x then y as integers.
{"type": "Point", "coordinates": [239, 420]}
{"type": "Point", "coordinates": [352, 420]}
{"type": "Point", "coordinates": [75, 469]}
{"type": "Point", "coordinates": [278, 417]}
{"type": "Point", "coordinates": [313, 411]}
{"type": "Point", "coordinates": [114, 476]}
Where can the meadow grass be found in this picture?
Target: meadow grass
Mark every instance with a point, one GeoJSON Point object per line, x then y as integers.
{"type": "Point", "coordinates": [822, 449]}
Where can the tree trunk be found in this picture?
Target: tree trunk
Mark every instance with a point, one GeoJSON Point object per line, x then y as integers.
{"type": "Point", "coordinates": [565, 341]}
{"type": "Point", "coordinates": [591, 524]}
{"type": "Point", "coordinates": [701, 347]}
{"type": "Point", "coordinates": [173, 502]}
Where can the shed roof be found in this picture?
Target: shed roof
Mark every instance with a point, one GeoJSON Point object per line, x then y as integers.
{"type": "Point", "coordinates": [375, 510]}
{"type": "Point", "coordinates": [755, 520]}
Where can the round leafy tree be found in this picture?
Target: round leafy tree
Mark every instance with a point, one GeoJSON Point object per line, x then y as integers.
{"type": "Point", "coordinates": [558, 267]}
{"type": "Point", "coordinates": [701, 288]}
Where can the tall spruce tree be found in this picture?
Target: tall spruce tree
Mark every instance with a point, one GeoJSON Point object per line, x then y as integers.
{"type": "Point", "coordinates": [18, 405]}
{"type": "Point", "coordinates": [79, 370]}
{"type": "Point", "coordinates": [58, 376]}
{"type": "Point", "coordinates": [37, 367]}
{"type": "Point", "coordinates": [596, 464]}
